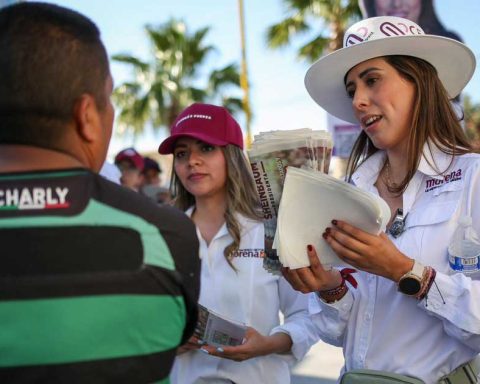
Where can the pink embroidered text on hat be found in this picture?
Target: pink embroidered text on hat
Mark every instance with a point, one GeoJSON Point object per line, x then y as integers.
{"type": "Point", "coordinates": [209, 123]}
{"type": "Point", "coordinates": [131, 155]}
{"type": "Point", "coordinates": [384, 36]}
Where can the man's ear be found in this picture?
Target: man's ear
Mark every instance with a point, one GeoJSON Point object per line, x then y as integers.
{"type": "Point", "coordinates": [87, 119]}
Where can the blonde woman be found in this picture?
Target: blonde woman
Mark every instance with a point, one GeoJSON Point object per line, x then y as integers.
{"type": "Point", "coordinates": [213, 184]}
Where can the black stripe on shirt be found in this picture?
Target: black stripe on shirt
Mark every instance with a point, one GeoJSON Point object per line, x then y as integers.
{"type": "Point", "coordinates": [127, 370]}
{"type": "Point", "coordinates": [148, 280]}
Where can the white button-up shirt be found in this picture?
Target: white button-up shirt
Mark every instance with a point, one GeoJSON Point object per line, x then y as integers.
{"type": "Point", "coordinates": [382, 329]}
{"type": "Point", "coordinates": [249, 295]}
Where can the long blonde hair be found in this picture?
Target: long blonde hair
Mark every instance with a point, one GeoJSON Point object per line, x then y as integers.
{"type": "Point", "coordinates": [241, 195]}
{"type": "Point", "coordinates": [434, 120]}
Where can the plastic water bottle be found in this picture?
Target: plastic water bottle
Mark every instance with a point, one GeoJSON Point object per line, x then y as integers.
{"type": "Point", "coordinates": [464, 250]}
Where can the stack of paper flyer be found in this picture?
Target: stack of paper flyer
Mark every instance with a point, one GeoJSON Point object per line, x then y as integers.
{"type": "Point", "coordinates": [271, 153]}
{"type": "Point", "coordinates": [216, 330]}
{"type": "Point", "coordinates": [310, 201]}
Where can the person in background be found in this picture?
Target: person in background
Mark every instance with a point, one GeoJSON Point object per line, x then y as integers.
{"type": "Point", "coordinates": [97, 284]}
{"type": "Point", "coordinates": [131, 164]}
{"type": "Point", "coordinates": [152, 182]}
{"type": "Point", "coordinates": [212, 182]}
{"type": "Point", "coordinates": [414, 316]}
{"type": "Point", "coordinates": [151, 171]}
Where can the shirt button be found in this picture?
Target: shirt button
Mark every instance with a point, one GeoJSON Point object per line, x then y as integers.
{"type": "Point", "coordinates": [368, 317]}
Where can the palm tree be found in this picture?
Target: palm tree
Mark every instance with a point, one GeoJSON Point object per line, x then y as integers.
{"type": "Point", "coordinates": [471, 113]}
{"type": "Point", "coordinates": [162, 87]}
{"type": "Point", "coordinates": [328, 19]}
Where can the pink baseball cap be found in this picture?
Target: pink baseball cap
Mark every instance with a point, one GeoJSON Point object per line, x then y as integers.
{"type": "Point", "coordinates": [131, 155]}
{"type": "Point", "coordinates": [209, 123]}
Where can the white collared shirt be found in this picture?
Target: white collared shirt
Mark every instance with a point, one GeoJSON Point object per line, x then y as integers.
{"type": "Point", "coordinates": [382, 329]}
{"type": "Point", "coordinates": [253, 296]}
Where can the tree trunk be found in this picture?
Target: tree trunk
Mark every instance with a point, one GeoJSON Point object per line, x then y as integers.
{"type": "Point", "coordinates": [336, 41]}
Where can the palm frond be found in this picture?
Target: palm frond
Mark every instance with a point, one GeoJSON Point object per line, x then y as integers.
{"type": "Point", "coordinates": [279, 35]}
{"type": "Point", "coordinates": [327, 19]}
{"type": "Point", "coordinates": [133, 61]}
{"type": "Point", "coordinates": [162, 87]}
{"type": "Point", "coordinates": [314, 49]}
{"type": "Point", "coordinates": [226, 76]}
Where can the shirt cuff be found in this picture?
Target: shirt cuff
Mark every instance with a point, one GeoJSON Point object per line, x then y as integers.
{"type": "Point", "coordinates": [449, 293]}
{"type": "Point", "coordinates": [317, 305]}
{"type": "Point", "coordinates": [300, 345]}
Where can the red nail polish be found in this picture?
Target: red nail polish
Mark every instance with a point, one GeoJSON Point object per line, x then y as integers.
{"type": "Point", "coordinates": [324, 235]}
{"type": "Point", "coordinates": [327, 231]}
{"type": "Point", "coordinates": [334, 222]}
{"type": "Point", "coordinates": [309, 247]}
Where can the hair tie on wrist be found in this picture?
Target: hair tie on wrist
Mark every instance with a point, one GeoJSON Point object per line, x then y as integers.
{"type": "Point", "coordinates": [346, 274]}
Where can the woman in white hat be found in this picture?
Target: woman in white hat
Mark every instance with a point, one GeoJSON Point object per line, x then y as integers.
{"type": "Point", "coordinates": [415, 311]}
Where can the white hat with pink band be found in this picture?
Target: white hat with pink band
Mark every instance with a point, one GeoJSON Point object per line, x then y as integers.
{"type": "Point", "coordinates": [386, 36]}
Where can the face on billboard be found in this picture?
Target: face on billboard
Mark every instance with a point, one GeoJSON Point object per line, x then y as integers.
{"type": "Point", "coordinates": [408, 9]}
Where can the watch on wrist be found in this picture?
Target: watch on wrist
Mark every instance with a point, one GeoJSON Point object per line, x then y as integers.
{"type": "Point", "coordinates": [411, 282]}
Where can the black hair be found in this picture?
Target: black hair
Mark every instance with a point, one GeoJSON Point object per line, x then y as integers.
{"type": "Point", "coordinates": [427, 20]}
{"type": "Point", "coordinates": [50, 56]}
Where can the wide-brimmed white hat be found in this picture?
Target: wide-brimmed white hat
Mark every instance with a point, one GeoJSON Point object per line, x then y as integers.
{"type": "Point", "coordinates": [385, 36]}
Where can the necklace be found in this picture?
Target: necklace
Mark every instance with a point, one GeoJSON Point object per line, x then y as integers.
{"type": "Point", "coordinates": [397, 226]}
{"type": "Point", "coordinates": [388, 180]}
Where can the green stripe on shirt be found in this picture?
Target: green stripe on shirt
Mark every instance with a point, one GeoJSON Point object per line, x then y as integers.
{"type": "Point", "coordinates": [67, 330]}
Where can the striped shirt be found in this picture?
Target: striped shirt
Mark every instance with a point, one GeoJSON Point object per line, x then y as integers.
{"type": "Point", "coordinates": [97, 283]}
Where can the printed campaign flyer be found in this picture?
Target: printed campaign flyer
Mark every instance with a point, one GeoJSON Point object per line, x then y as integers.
{"type": "Point", "coordinates": [216, 330]}
{"type": "Point", "coordinates": [271, 153]}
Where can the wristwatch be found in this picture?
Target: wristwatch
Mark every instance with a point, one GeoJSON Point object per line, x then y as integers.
{"type": "Point", "coordinates": [411, 282]}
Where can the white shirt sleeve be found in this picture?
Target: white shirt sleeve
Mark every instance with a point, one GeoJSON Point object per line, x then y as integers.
{"type": "Point", "coordinates": [331, 319]}
{"type": "Point", "coordinates": [297, 321]}
{"type": "Point", "coordinates": [455, 299]}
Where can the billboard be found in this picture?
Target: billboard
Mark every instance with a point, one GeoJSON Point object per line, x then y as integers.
{"type": "Point", "coordinates": [4, 3]}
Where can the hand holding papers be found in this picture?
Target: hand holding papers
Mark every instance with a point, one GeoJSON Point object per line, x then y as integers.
{"type": "Point", "coordinates": [216, 330]}
{"type": "Point", "coordinates": [270, 155]}
{"type": "Point", "coordinates": [310, 201]}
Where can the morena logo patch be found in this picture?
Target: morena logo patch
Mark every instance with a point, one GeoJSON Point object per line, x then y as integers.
{"type": "Point", "coordinates": [432, 184]}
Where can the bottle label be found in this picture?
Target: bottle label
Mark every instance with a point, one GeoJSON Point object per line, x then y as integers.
{"type": "Point", "coordinates": [465, 264]}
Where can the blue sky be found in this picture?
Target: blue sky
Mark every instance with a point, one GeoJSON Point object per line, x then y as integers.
{"type": "Point", "coordinates": [277, 95]}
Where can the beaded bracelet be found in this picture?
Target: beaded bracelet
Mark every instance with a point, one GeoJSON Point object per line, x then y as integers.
{"type": "Point", "coordinates": [334, 294]}
{"type": "Point", "coordinates": [335, 291]}
{"type": "Point", "coordinates": [427, 281]}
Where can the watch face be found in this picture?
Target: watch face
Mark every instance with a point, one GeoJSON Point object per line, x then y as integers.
{"type": "Point", "coordinates": [397, 227]}
{"type": "Point", "coordinates": [409, 286]}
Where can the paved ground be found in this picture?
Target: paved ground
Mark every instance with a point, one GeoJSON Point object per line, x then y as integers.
{"type": "Point", "coordinates": [320, 366]}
